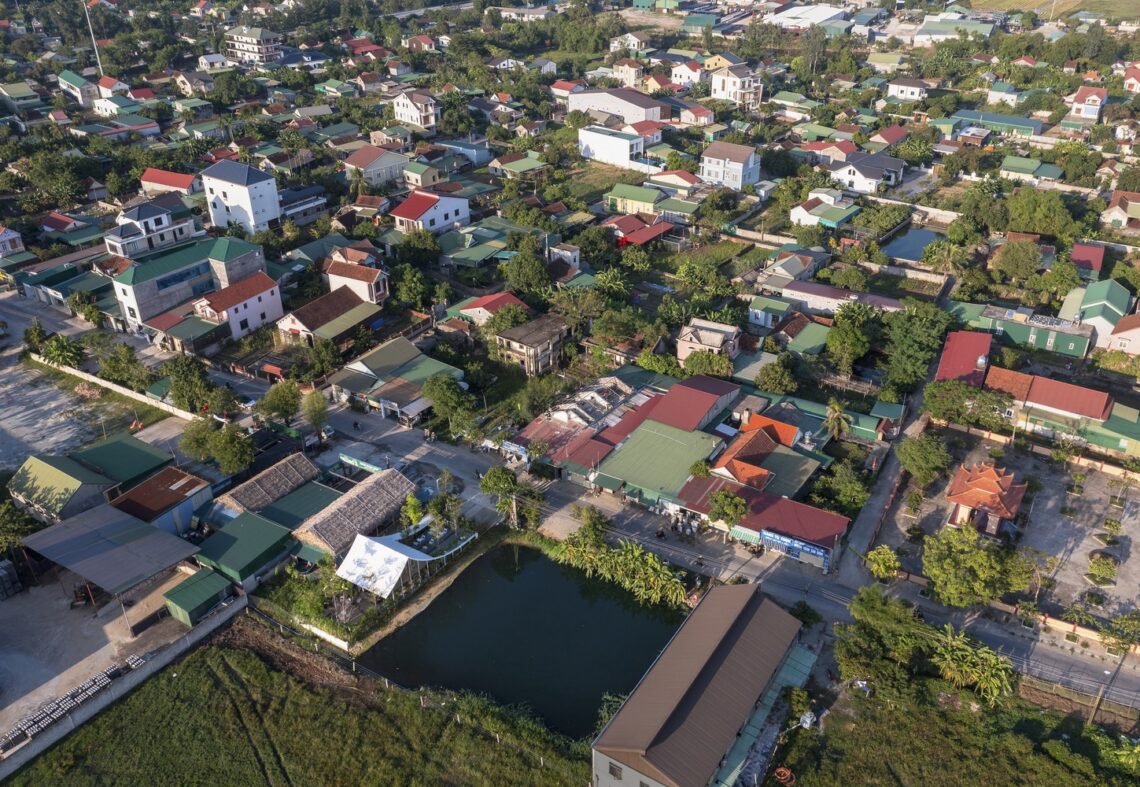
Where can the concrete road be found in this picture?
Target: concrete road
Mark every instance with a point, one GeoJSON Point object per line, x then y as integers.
{"type": "Point", "coordinates": [422, 11]}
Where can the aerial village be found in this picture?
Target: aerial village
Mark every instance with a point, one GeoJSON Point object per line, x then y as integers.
{"type": "Point", "coordinates": [676, 392]}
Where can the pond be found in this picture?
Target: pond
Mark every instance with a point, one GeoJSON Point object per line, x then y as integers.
{"type": "Point", "coordinates": [525, 630]}
{"type": "Point", "coordinates": [909, 245]}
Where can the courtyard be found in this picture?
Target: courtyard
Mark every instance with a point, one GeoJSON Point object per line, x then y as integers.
{"type": "Point", "coordinates": [1071, 514]}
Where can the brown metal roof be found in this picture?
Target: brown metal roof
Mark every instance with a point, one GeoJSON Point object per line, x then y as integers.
{"type": "Point", "coordinates": [158, 494]}
{"type": "Point", "coordinates": [683, 717]}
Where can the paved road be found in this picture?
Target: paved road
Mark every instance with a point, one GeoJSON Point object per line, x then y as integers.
{"type": "Point", "coordinates": [422, 11]}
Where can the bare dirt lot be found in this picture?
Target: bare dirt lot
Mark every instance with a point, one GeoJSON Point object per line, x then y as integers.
{"type": "Point", "coordinates": [637, 19]}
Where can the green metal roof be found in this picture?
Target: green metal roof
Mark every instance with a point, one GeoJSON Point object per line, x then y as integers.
{"type": "Point", "coordinates": [244, 546]}
{"type": "Point", "coordinates": [350, 319]}
{"type": "Point", "coordinates": [1020, 165]}
{"type": "Point", "coordinates": [197, 592]}
{"type": "Point", "coordinates": [69, 77]}
{"type": "Point", "coordinates": [678, 206]}
{"type": "Point", "coordinates": [810, 340]}
{"type": "Point", "coordinates": [417, 167]}
{"type": "Point", "coordinates": [1109, 293]}
{"type": "Point", "coordinates": [607, 482]}
{"type": "Point", "coordinates": [220, 249]}
{"type": "Point", "coordinates": [193, 328]}
{"type": "Point", "coordinates": [656, 458]}
{"type": "Point", "coordinates": [300, 504]}
{"type": "Point", "coordinates": [124, 458]}
{"type": "Point", "coordinates": [772, 304]}
{"type": "Point", "coordinates": [48, 482]}
{"type": "Point", "coordinates": [790, 471]}
{"type": "Point", "coordinates": [634, 193]}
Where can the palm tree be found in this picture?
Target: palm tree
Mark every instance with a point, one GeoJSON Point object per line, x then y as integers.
{"type": "Point", "coordinates": [837, 422]}
{"type": "Point", "coordinates": [993, 676]}
{"type": "Point", "coordinates": [1078, 614]}
{"type": "Point", "coordinates": [357, 183]}
{"type": "Point", "coordinates": [62, 351]}
{"type": "Point", "coordinates": [954, 657]}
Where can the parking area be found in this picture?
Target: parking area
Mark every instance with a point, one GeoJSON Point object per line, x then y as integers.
{"type": "Point", "coordinates": [1071, 514]}
{"type": "Point", "coordinates": [48, 647]}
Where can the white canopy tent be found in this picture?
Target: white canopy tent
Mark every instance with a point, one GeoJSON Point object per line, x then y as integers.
{"type": "Point", "coordinates": [380, 565]}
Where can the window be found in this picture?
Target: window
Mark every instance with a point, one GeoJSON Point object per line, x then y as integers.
{"type": "Point", "coordinates": [431, 223]}
{"type": "Point", "coordinates": [263, 316]}
{"type": "Point", "coordinates": [131, 312]}
{"type": "Point", "coordinates": [244, 325]}
{"type": "Point", "coordinates": [259, 299]}
{"type": "Point", "coordinates": [615, 770]}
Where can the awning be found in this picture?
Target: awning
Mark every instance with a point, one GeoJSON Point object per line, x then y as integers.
{"type": "Point", "coordinates": [608, 482]}
{"type": "Point", "coordinates": [308, 552]}
{"type": "Point", "coordinates": [744, 534]}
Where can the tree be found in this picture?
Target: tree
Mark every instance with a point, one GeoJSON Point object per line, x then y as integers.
{"type": "Point", "coordinates": [1078, 614]}
{"type": "Point", "coordinates": [883, 563]}
{"type": "Point", "coordinates": [1122, 632]}
{"type": "Point", "coordinates": [965, 570]}
{"type": "Point", "coordinates": [953, 401]}
{"type": "Point", "coordinates": [315, 409]}
{"type": "Point", "coordinates": [727, 506]}
{"type": "Point", "coordinates": [777, 377]}
{"type": "Point", "coordinates": [613, 283]}
{"type": "Point", "coordinates": [699, 469]}
{"type": "Point", "coordinates": [282, 401]}
{"type": "Point", "coordinates": [1042, 212]}
{"type": "Point", "coordinates": [15, 526]}
{"type": "Point", "coordinates": [35, 336]}
{"type": "Point", "coordinates": [846, 344]}
{"type": "Point", "coordinates": [1018, 260]}
{"type": "Point", "coordinates": [661, 364]}
{"type": "Point", "coordinates": [195, 441]}
{"type": "Point", "coordinates": [232, 449]}
{"type": "Point", "coordinates": [190, 387]}
{"type": "Point", "coordinates": [448, 399]}
{"type": "Point", "coordinates": [525, 272]}
{"type": "Point", "coordinates": [510, 316]}
{"type": "Point", "coordinates": [636, 259]}
{"type": "Point", "coordinates": [59, 350]}
{"type": "Point", "coordinates": [412, 512]}
{"type": "Point", "coordinates": [577, 306]}
{"type": "Point", "coordinates": [837, 422]}
{"type": "Point", "coordinates": [122, 365]}
{"type": "Point", "coordinates": [1102, 570]}
{"type": "Point", "coordinates": [924, 457]}
{"type": "Point", "coordinates": [851, 277]}
{"type": "Point", "coordinates": [945, 256]}
{"type": "Point", "coordinates": [705, 362]}
{"type": "Point", "coordinates": [411, 286]}
{"type": "Point", "coordinates": [518, 502]}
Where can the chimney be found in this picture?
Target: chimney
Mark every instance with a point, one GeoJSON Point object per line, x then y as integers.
{"type": "Point", "coordinates": [982, 362]}
{"type": "Point", "coordinates": [746, 416]}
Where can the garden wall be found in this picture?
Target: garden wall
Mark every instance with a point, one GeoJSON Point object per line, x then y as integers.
{"type": "Point", "coordinates": [119, 389]}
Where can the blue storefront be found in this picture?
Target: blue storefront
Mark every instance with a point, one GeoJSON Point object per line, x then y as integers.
{"type": "Point", "coordinates": [812, 554]}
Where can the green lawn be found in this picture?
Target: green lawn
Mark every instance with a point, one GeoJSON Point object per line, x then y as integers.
{"type": "Point", "coordinates": [902, 287]}
{"type": "Point", "coordinates": [714, 253]}
{"type": "Point", "coordinates": [594, 180]}
{"type": "Point", "coordinates": [224, 716]}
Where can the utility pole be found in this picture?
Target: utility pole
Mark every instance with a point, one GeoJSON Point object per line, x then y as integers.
{"type": "Point", "coordinates": [91, 30]}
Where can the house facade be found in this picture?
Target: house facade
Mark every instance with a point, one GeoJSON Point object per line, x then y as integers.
{"type": "Point", "coordinates": [377, 166]}
{"type": "Point", "coordinates": [147, 228]}
{"type": "Point", "coordinates": [737, 84]}
{"type": "Point", "coordinates": [731, 165]}
{"type": "Point", "coordinates": [536, 346]}
{"type": "Point", "coordinates": [237, 193]}
{"type": "Point", "coordinates": [244, 306]}
{"type": "Point", "coordinates": [253, 45]}
{"type": "Point", "coordinates": [417, 109]}
{"type": "Point", "coordinates": [707, 336]}
{"type": "Point", "coordinates": [435, 213]}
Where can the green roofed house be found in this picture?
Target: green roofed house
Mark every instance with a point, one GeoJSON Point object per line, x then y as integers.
{"type": "Point", "coordinates": [300, 504]}
{"type": "Point", "coordinates": [52, 488]}
{"type": "Point", "coordinates": [390, 380]}
{"type": "Point", "coordinates": [654, 461]}
{"type": "Point", "coordinates": [624, 198]}
{"type": "Point", "coordinates": [811, 339]}
{"type": "Point", "coordinates": [1030, 170]}
{"type": "Point", "coordinates": [191, 600]}
{"type": "Point", "coordinates": [1023, 328]}
{"type": "Point", "coordinates": [79, 89]}
{"type": "Point", "coordinates": [19, 97]}
{"type": "Point", "coordinates": [124, 459]}
{"type": "Point", "coordinates": [1099, 305]}
{"type": "Point", "coordinates": [244, 548]}
{"type": "Point", "coordinates": [999, 124]}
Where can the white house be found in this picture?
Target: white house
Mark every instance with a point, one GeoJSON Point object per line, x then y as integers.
{"type": "Point", "coordinates": [160, 181]}
{"type": "Point", "coordinates": [630, 105]}
{"type": "Point", "coordinates": [907, 89]}
{"type": "Point", "coordinates": [826, 207]}
{"type": "Point", "coordinates": [147, 228]}
{"type": "Point", "coordinates": [708, 336]}
{"type": "Point", "coordinates": [417, 109]}
{"type": "Point", "coordinates": [866, 173]}
{"type": "Point", "coordinates": [377, 165]}
{"type": "Point", "coordinates": [819, 298]}
{"type": "Point", "coordinates": [240, 194]}
{"type": "Point", "coordinates": [436, 213]}
{"type": "Point", "coordinates": [1087, 103]}
{"type": "Point", "coordinates": [11, 242]}
{"type": "Point", "coordinates": [729, 164]}
{"type": "Point", "coordinates": [109, 86]}
{"type": "Point", "coordinates": [599, 143]}
{"type": "Point", "coordinates": [254, 45]}
{"type": "Point", "coordinates": [687, 74]}
{"type": "Point", "coordinates": [245, 305]}
{"type": "Point", "coordinates": [83, 92]}
{"type": "Point", "coordinates": [370, 284]}
{"type": "Point", "coordinates": [737, 84]}
{"type": "Point", "coordinates": [633, 42]}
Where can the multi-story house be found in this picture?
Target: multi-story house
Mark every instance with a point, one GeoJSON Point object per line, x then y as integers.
{"type": "Point", "coordinates": [253, 45]}
{"type": "Point", "coordinates": [599, 143]}
{"type": "Point", "coordinates": [370, 284]}
{"type": "Point", "coordinates": [630, 105]}
{"type": "Point", "coordinates": [737, 84]}
{"type": "Point", "coordinates": [147, 228]}
{"type": "Point", "coordinates": [731, 165]}
{"type": "Point", "coordinates": [244, 306]}
{"type": "Point", "coordinates": [1087, 103]}
{"type": "Point", "coordinates": [160, 283]}
{"type": "Point", "coordinates": [628, 71]}
{"type": "Point", "coordinates": [11, 242]}
{"type": "Point", "coordinates": [376, 165]}
{"type": "Point", "coordinates": [417, 109]}
{"type": "Point", "coordinates": [631, 42]}
{"type": "Point", "coordinates": [79, 89]}
{"type": "Point", "coordinates": [688, 74]}
{"type": "Point", "coordinates": [907, 89]}
{"type": "Point", "coordinates": [435, 213]}
{"type": "Point", "coordinates": [865, 174]}
{"type": "Point", "coordinates": [535, 346]}
{"type": "Point", "coordinates": [237, 193]}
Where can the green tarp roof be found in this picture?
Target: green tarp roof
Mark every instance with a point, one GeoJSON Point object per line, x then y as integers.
{"type": "Point", "coordinates": [656, 458]}
{"type": "Point", "coordinates": [124, 458]}
{"type": "Point", "coordinates": [300, 504]}
{"type": "Point", "coordinates": [241, 547]}
{"type": "Point", "coordinates": [201, 588]}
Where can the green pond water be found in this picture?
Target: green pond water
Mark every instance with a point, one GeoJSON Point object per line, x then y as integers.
{"type": "Point", "coordinates": [525, 630]}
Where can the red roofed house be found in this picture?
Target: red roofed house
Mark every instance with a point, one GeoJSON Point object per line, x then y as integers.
{"type": "Point", "coordinates": [484, 308]}
{"type": "Point", "coordinates": [1123, 211]}
{"type": "Point", "coordinates": [1088, 102]}
{"type": "Point", "coordinates": [1132, 79]}
{"type": "Point", "coordinates": [561, 89]}
{"type": "Point", "coordinates": [891, 135]}
{"type": "Point", "coordinates": [984, 497]}
{"type": "Point", "coordinates": [435, 213]}
{"type": "Point", "coordinates": [160, 181]}
{"type": "Point", "coordinates": [245, 305]}
{"type": "Point", "coordinates": [1046, 406]}
{"type": "Point", "coordinates": [692, 404]}
{"type": "Point", "coordinates": [1089, 259]}
{"type": "Point", "coordinates": [1126, 335]}
{"type": "Point", "coordinates": [370, 283]}
{"type": "Point", "coordinates": [378, 166]}
{"type": "Point", "coordinates": [965, 357]}
{"type": "Point", "coordinates": [800, 531]}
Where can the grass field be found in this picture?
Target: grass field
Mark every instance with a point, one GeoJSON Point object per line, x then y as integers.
{"type": "Point", "coordinates": [1112, 9]}
{"type": "Point", "coordinates": [594, 180]}
{"type": "Point", "coordinates": [227, 714]}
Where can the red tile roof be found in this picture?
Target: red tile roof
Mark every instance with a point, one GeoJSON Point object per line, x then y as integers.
{"type": "Point", "coordinates": [648, 234]}
{"type": "Point", "coordinates": [416, 205]}
{"type": "Point", "coordinates": [962, 357]}
{"type": "Point", "coordinates": [162, 177]}
{"type": "Point", "coordinates": [1069, 398]}
{"type": "Point", "coordinates": [1084, 93]}
{"type": "Point", "coordinates": [986, 488]}
{"type": "Point", "coordinates": [690, 401]}
{"type": "Point", "coordinates": [1088, 256]}
{"type": "Point", "coordinates": [350, 270]}
{"type": "Point", "coordinates": [239, 292]}
{"type": "Point", "coordinates": [783, 433]}
{"type": "Point", "coordinates": [624, 225]}
{"type": "Point", "coordinates": [1013, 383]}
{"type": "Point", "coordinates": [494, 302]}
{"type": "Point", "coordinates": [624, 428]}
{"type": "Point", "coordinates": [1128, 322]}
{"type": "Point", "coordinates": [768, 512]}
{"type": "Point", "coordinates": [892, 134]}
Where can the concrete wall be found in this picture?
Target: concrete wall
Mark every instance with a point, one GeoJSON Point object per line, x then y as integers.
{"type": "Point", "coordinates": [119, 389]}
{"type": "Point", "coordinates": [119, 688]}
{"type": "Point", "coordinates": [906, 273]}
{"type": "Point", "coordinates": [932, 214]}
